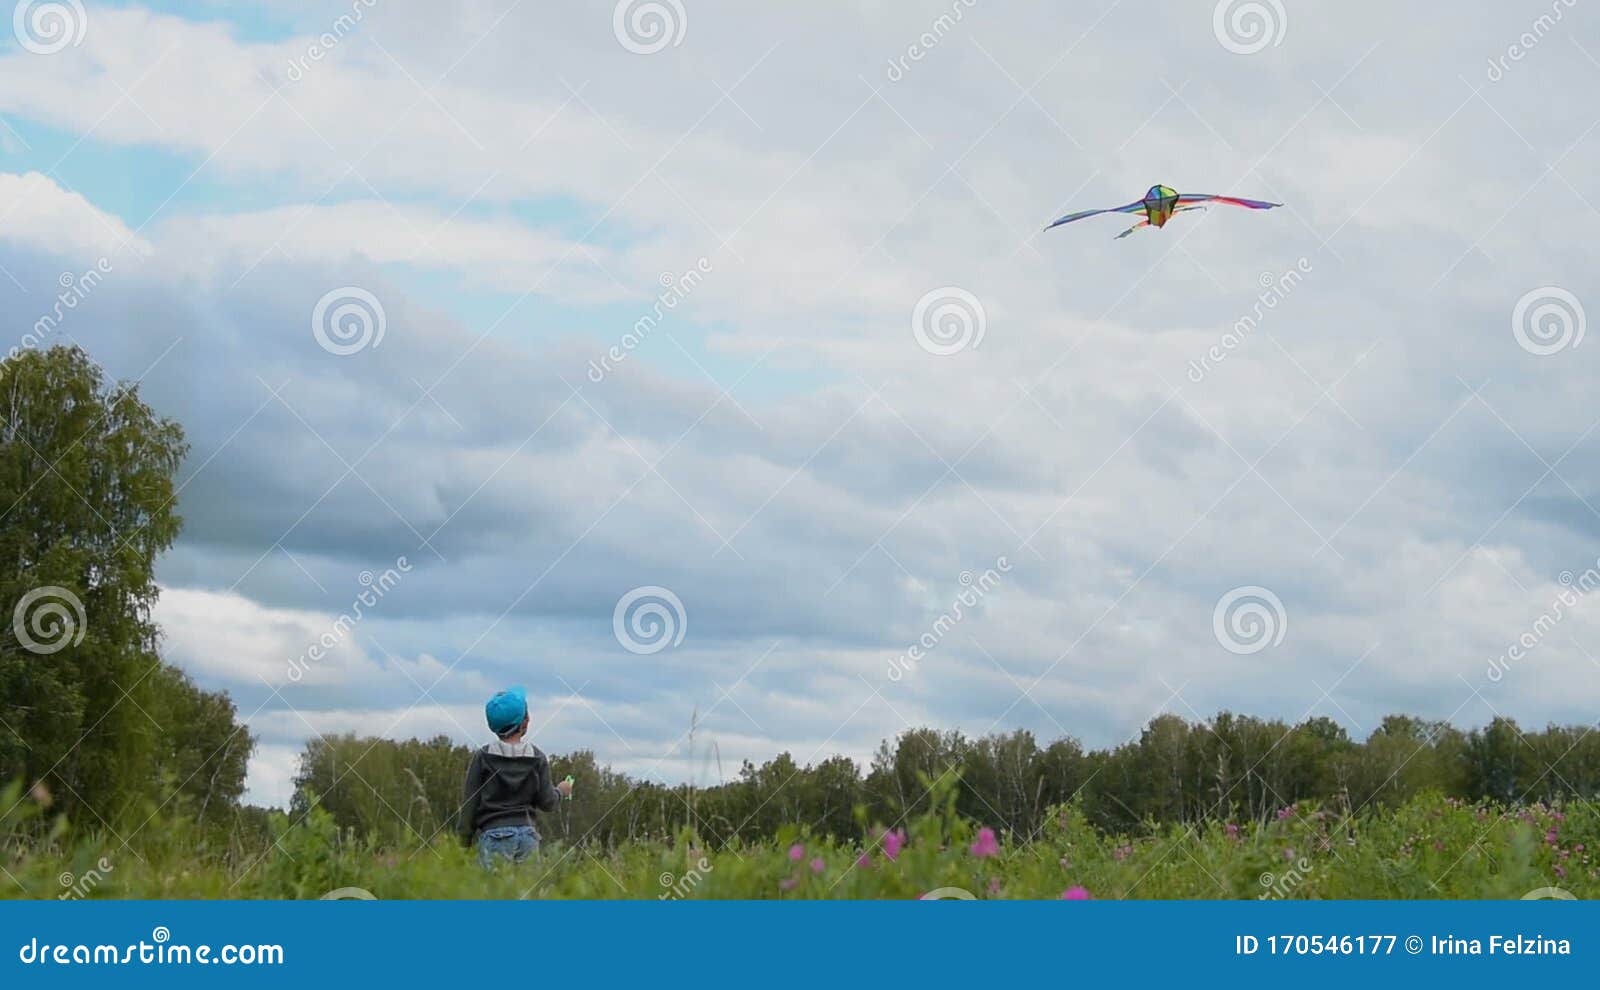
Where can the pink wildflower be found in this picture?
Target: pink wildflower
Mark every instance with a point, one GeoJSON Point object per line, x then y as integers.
{"type": "Point", "coordinates": [1121, 853]}
{"type": "Point", "coordinates": [986, 845]}
{"type": "Point", "coordinates": [1075, 894]}
{"type": "Point", "coordinates": [864, 861]}
{"type": "Point", "coordinates": [892, 843]}
{"type": "Point", "coordinates": [817, 865]}
{"type": "Point", "coordinates": [797, 852]}
{"type": "Point", "coordinates": [788, 883]}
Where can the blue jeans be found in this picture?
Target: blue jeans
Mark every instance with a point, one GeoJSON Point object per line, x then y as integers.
{"type": "Point", "coordinates": [513, 842]}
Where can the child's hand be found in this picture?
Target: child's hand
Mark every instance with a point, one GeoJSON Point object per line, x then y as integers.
{"type": "Point", "coordinates": [565, 787]}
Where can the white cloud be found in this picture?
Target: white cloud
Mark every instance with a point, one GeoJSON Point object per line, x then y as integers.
{"type": "Point", "coordinates": [37, 213]}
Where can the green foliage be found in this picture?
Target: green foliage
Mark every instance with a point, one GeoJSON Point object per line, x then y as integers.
{"type": "Point", "coordinates": [1427, 847]}
{"type": "Point", "coordinates": [90, 713]}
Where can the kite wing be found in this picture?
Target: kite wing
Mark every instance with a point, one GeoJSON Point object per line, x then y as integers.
{"type": "Point", "coordinates": [1133, 207]}
{"type": "Point", "coordinates": [1252, 204]}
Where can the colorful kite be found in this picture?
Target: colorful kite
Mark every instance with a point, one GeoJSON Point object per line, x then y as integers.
{"type": "Point", "coordinates": [1160, 203]}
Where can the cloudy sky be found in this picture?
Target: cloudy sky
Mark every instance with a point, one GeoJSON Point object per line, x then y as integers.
{"type": "Point", "coordinates": [495, 315]}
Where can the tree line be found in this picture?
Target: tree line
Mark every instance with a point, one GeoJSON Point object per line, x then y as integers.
{"type": "Point", "coordinates": [1232, 768]}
